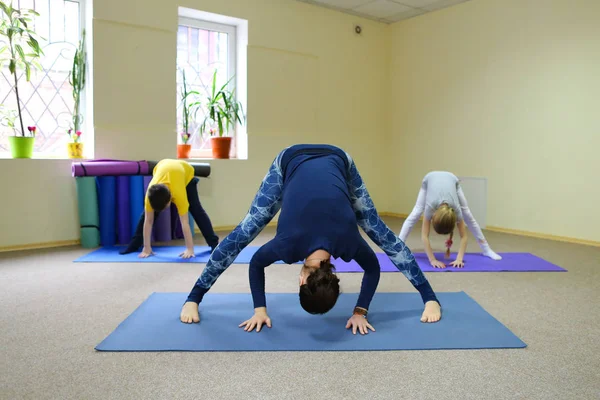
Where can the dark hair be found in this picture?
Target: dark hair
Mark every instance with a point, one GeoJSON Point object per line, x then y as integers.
{"type": "Point", "coordinates": [321, 290]}
{"type": "Point", "coordinates": [159, 196]}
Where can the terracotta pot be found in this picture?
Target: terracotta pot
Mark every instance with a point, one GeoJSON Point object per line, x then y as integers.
{"type": "Point", "coordinates": [183, 150]}
{"type": "Point", "coordinates": [75, 150]}
{"type": "Point", "coordinates": [221, 146]}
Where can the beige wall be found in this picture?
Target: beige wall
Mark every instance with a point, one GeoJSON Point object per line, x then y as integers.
{"type": "Point", "coordinates": [310, 79]}
{"type": "Point", "coordinates": [507, 90]}
{"type": "Point", "coordinates": [504, 89]}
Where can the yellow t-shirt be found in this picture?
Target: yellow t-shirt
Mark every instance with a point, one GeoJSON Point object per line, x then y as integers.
{"type": "Point", "coordinates": [175, 174]}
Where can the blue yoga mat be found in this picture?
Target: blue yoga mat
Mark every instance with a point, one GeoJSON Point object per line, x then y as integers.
{"type": "Point", "coordinates": [107, 199]}
{"type": "Point", "coordinates": [136, 200]}
{"type": "Point", "coordinates": [155, 326]}
{"type": "Point", "coordinates": [162, 254]}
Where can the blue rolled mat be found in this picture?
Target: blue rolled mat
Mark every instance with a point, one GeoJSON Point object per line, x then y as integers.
{"type": "Point", "coordinates": [136, 200]}
{"type": "Point", "coordinates": [123, 217]}
{"type": "Point", "coordinates": [155, 325]}
{"type": "Point", "coordinates": [107, 196]}
{"type": "Point", "coordinates": [192, 224]}
{"type": "Point", "coordinates": [87, 204]}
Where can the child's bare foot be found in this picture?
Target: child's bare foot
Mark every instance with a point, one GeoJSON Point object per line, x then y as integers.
{"type": "Point", "coordinates": [189, 313]}
{"type": "Point", "coordinates": [432, 312]}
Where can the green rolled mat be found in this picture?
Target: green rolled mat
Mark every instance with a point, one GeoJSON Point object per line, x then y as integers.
{"type": "Point", "coordinates": [90, 237]}
{"type": "Point", "coordinates": [89, 217]}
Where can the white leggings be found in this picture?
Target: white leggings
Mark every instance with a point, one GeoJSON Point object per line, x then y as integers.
{"type": "Point", "coordinates": [419, 208]}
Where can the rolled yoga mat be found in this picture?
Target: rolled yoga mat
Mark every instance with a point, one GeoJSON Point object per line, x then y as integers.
{"type": "Point", "coordinates": [89, 219]}
{"type": "Point", "coordinates": [136, 200]}
{"type": "Point", "coordinates": [123, 210]}
{"type": "Point", "coordinates": [147, 179]}
{"type": "Point", "coordinates": [200, 169]}
{"type": "Point", "coordinates": [161, 231]}
{"type": "Point", "coordinates": [155, 325]}
{"type": "Point", "coordinates": [162, 226]}
{"type": "Point", "coordinates": [177, 229]}
{"type": "Point", "coordinates": [107, 196]}
{"type": "Point", "coordinates": [109, 168]}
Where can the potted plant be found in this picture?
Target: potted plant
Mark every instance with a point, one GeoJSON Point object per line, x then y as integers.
{"type": "Point", "coordinates": [77, 81]}
{"type": "Point", "coordinates": [23, 51]}
{"type": "Point", "coordinates": [221, 114]}
{"type": "Point", "coordinates": [189, 110]}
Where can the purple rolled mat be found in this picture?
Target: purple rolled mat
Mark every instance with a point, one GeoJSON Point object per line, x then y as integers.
{"type": "Point", "coordinates": [161, 231]}
{"type": "Point", "coordinates": [176, 224]}
{"type": "Point", "coordinates": [177, 230]}
{"type": "Point", "coordinates": [123, 212]}
{"type": "Point", "coordinates": [109, 167]}
{"type": "Point", "coordinates": [162, 226]}
{"type": "Point", "coordinates": [147, 180]}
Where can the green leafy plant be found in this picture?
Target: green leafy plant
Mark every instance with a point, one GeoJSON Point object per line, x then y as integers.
{"type": "Point", "coordinates": [77, 81]}
{"type": "Point", "coordinates": [8, 117]}
{"type": "Point", "coordinates": [190, 108]}
{"type": "Point", "coordinates": [22, 47]}
{"type": "Point", "coordinates": [221, 110]}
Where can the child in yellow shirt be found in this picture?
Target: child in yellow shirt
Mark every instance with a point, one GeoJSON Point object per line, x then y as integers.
{"type": "Point", "coordinates": [172, 181]}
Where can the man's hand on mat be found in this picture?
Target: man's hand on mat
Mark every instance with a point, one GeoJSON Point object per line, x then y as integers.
{"type": "Point", "coordinates": [259, 319]}
{"type": "Point", "coordinates": [189, 313]}
{"type": "Point", "coordinates": [457, 263]}
{"type": "Point", "coordinates": [437, 264]}
{"type": "Point", "coordinates": [187, 254]}
{"type": "Point", "coordinates": [432, 312]}
{"type": "Point", "coordinates": [360, 323]}
{"type": "Point", "coordinates": [146, 252]}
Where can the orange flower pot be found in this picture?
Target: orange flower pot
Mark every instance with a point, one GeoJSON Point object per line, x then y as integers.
{"type": "Point", "coordinates": [183, 150]}
{"type": "Point", "coordinates": [221, 147]}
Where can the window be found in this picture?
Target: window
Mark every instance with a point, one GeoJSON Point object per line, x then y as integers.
{"type": "Point", "coordinates": [203, 48]}
{"type": "Point", "coordinates": [47, 100]}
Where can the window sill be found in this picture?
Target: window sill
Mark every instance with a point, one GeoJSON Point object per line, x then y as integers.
{"type": "Point", "coordinates": [4, 156]}
{"type": "Point", "coordinates": [192, 159]}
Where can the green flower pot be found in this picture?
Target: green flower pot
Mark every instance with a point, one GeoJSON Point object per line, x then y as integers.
{"type": "Point", "coordinates": [21, 146]}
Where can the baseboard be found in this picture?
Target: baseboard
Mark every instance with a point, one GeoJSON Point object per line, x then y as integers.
{"type": "Point", "coordinates": [229, 228]}
{"type": "Point", "coordinates": [43, 245]}
{"type": "Point", "coordinates": [543, 236]}
{"type": "Point", "coordinates": [74, 242]}
{"type": "Point", "coordinates": [517, 232]}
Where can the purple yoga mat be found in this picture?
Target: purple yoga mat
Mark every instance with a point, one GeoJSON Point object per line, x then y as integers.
{"type": "Point", "coordinates": [474, 262]}
{"type": "Point", "coordinates": [123, 213]}
{"type": "Point", "coordinates": [109, 167]}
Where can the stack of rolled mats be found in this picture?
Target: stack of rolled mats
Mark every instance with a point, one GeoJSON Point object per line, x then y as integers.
{"type": "Point", "coordinates": [110, 199]}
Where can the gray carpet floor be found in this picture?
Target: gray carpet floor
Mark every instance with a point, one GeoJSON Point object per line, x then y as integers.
{"type": "Point", "coordinates": [53, 312]}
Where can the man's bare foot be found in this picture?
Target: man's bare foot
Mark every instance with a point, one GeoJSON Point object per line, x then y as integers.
{"type": "Point", "coordinates": [432, 312]}
{"type": "Point", "coordinates": [189, 313]}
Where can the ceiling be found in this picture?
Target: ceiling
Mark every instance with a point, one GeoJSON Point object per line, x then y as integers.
{"type": "Point", "coordinates": [387, 11]}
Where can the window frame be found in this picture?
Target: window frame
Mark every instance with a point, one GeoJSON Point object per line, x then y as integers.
{"type": "Point", "coordinates": [86, 126]}
{"type": "Point", "coordinates": [231, 31]}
